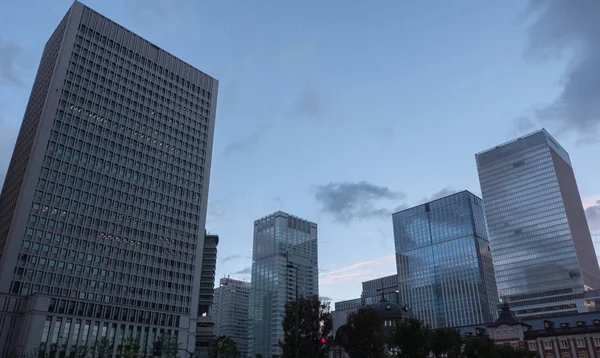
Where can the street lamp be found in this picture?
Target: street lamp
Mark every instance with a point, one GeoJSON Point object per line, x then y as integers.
{"type": "Point", "coordinates": [290, 266]}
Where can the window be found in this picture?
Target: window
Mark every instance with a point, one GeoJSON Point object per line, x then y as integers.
{"type": "Point", "coordinates": [547, 344]}
{"type": "Point", "coordinates": [564, 343]}
{"type": "Point", "coordinates": [580, 342]}
{"type": "Point", "coordinates": [597, 341]}
{"type": "Point", "coordinates": [532, 346]}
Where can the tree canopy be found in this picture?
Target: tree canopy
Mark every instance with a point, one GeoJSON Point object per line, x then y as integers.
{"type": "Point", "coordinates": [314, 324]}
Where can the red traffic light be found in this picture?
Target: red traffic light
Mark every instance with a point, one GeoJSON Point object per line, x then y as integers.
{"type": "Point", "coordinates": [323, 340]}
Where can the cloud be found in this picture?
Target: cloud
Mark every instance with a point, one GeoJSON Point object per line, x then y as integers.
{"type": "Point", "coordinates": [242, 145]}
{"type": "Point", "coordinates": [233, 257]}
{"type": "Point", "coordinates": [440, 194]}
{"type": "Point", "coordinates": [593, 217]}
{"type": "Point", "coordinates": [325, 298]}
{"type": "Point", "coordinates": [570, 26]}
{"type": "Point", "coordinates": [245, 271]}
{"type": "Point", "coordinates": [360, 271]}
{"type": "Point", "coordinates": [347, 201]}
{"type": "Point", "coordinates": [10, 58]}
{"type": "Point", "coordinates": [311, 104]}
{"type": "Point", "coordinates": [521, 126]}
{"type": "Point", "coordinates": [8, 135]}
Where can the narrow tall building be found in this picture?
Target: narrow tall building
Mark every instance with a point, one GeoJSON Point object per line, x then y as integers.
{"type": "Point", "coordinates": [230, 312]}
{"type": "Point", "coordinates": [445, 272]}
{"type": "Point", "coordinates": [205, 332]}
{"type": "Point", "coordinates": [543, 253]}
{"type": "Point", "coordinates": [284, 265]}
{"type": "Point", "coordinates": [103, 209]}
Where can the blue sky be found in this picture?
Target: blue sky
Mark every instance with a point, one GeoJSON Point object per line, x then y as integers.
{"type": "Point", "coordinates": [339, 112]}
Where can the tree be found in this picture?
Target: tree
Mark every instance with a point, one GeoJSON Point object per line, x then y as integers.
{"type": "Point", "coordinates": [413, 339]}
{"type": "Point", "coordinates": [80, 351]}
{"type": "Point", "coordinates": [131, 348]}
{"type": "Point", "coordinates": [446, 342]}
{"type": "Point", "coordinates": [226, 347]}
{"type": "Point", "coordinates": [103, 348]}
{"type": "Point", "coordinates": [480, 347]}
{"type": "Point", "coordinates": [363, 337]}
{"type": "Point", "coordinates": [166, 346]}
{"type": "Point", "coordinates": [314, 323]}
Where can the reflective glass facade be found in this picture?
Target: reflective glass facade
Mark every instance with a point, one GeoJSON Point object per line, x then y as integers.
{"type": "Point", "coordinates": [445, 271]}
{"type": "Point", "coordinates": [540, 239]}
{"type": "Point", "coordinates": [280, 240]}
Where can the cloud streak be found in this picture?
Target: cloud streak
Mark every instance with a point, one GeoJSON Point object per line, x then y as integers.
{"type": "Point", "coordinates": [311, 104]}
{"type": "Point", "coordinates": [245, 271]}
{"type": "Point", "coordinates": [10, 54]}
{"type": "Point", "coordinates": [572, 27]}
{"type": "Point", "coordinates": [440, 194]}
{"type": "Point", "coordinates": [347, 201]}
{"type": "Point", "coordinates": [233, 258]}
{"type": "Point", "coordinates": [360, 271]}
{"type": "Point", "coordinates": [242, 145]}
{"type": "Point", "coordinates": [593, 217]}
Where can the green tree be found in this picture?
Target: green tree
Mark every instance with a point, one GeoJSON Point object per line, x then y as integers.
{"type": "Point", "coordinates": [412, 338]}
{"type": "Point", "coordinates": [480, 347]}
{"type": "Point", "coordinates": [363, 336]}
{"type": "Point", "coordinates": [226, 347]}
{"type": "Point", "coordinates": [446, 342]}
{"type": "Point", "coordinates": [314, 323]}
{"type": "Point", "coordinates": [80, 351]}
{"type": "Point", "coordinates": [131, 348]}
{"type": "Point", "coordinates": [103, 348]}
{"type": "Point", "coordinates": [166, 346]}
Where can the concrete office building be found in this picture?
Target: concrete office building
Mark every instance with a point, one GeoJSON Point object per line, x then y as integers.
{"type": "Point", "coordinates": [205, 333]}
{"type": "Point", "coordinates": [445, 272]}
{"type": "Point", "coordinates": [543, 253]}
{"type": "Point", "coordinates": [103, 210]}
{"type": "Point", "coordinates": [284, 266]}
{"type": "Point", "coordinates": [230, 312]}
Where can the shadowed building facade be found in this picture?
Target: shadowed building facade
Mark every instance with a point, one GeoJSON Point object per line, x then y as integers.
{"type": "Point", "coordinates": [543, 253]}
{"type": "Point", "coordinates": [445, 272]}
{"type": "Point", "coordinates": [103, 209]}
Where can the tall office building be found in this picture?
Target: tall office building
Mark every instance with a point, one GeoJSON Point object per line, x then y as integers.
{"type": "Point", "coordinates": [230, 312]}
{"type": "Point", "coordinates": [205, 333]}
{"type": "Point", "coordinates": [103, 210]}
{"type": "Point", "coordinates": [284, 257]}
{"type": "Point", "coordinates": [543, 253]}
{"type": "Point", "coordinates": [445, 271]}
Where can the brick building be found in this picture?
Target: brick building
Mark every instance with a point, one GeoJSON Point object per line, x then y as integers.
{"type": "Point", "coordinates": [569, 336]}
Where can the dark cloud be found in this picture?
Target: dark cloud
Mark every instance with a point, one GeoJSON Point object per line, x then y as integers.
{"type": "Point", "coordinates": [593, 217]}
{"type": "Point", "coordinates": [347, 201]}
{"type": "Point", "coordinates": [440, 194]}
{"type": "Point", "coordinates": [245, 271]}
{"type": "Point", "coordinates": [233, 257]}
{"type": "Point", "coordinates": [242, 145]}
{"type": "Point", "coordinates": [311, 104]}
{"type": "Point", "coordinates": [570, 27]}
{"type": "Point", "coordinates": [10, 55]}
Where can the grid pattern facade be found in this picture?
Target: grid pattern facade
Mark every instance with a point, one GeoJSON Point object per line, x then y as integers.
{"type": "Point", "coordinates": [445, 272]}
{"type": "Point", "coordinates": [541, 243]}
{"type": "Point", "coordinates": [280, 241]}
{"type": "Point", "coordinates": [387, 286]}
{"type": "Point", "coordinates": [230, 312]}
{"type": "Point", "coordinates": [104, 203]}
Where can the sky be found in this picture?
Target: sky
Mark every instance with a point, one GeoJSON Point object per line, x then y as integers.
{"type": "Point", "coordinates": [341, 112]}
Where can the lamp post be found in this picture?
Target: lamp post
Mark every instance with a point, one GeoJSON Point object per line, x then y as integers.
{"type": "Point", "coordinates": [297, 348]}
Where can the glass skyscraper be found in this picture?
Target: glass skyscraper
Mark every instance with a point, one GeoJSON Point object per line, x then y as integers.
{"type": "Point", "coordinates": [543, 253]}
{"type": "Point", "coordinates": [102, 214]}
{"type": "Point", "coordinates": [445, 271]}
{"type": "Point", "coordinates": [285, 256]}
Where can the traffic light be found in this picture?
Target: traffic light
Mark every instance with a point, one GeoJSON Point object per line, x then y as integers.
{"type": "Point", "coordinates": [323, 340]}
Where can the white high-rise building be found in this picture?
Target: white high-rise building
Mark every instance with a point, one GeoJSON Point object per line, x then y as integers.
{"type": "Point", "coordinates": [284, 265]}
{"type": "Point", "coordinates": [229, 312]}
{"type": "Point", "coordinates": [103, 209]}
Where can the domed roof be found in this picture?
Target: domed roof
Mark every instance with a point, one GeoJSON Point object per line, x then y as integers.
{"type": "Point", "coordinates": [389, 309]}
